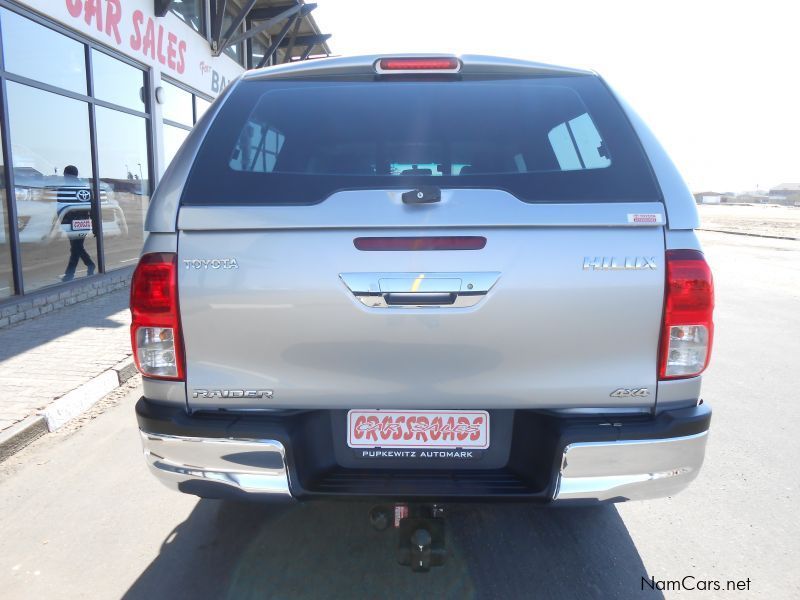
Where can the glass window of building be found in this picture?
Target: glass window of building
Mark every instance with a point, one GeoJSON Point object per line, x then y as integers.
{"type": "Point", "coordinates": [39, 53]}
{"type": "Point", "coordinates": [191, 12]}
{"type": "Point", "coordinates": [53, 185]}
{"type": "Point", "coordinates": [178, 117]}
{"type": "Point", "coordinates": [173, 138]}
{"type": "Point", "coordinates": [6, 277]}
{"type": "Point", "coordinates": [200, 107]}
{"type": "Point", "coordinates": [124, 184]}
{"type": "Point", "coordinates": [117, 82]}
{"type": "Point", "coordinates": [177, 105]}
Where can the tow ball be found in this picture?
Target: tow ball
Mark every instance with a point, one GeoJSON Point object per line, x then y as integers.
{"type": "Point", "coordinates": [420, 533]}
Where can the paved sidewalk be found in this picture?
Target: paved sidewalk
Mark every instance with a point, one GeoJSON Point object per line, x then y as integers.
{"type": "Point", "coordinates": [45, 358]}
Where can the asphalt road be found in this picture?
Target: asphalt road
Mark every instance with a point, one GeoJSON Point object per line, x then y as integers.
{"type": "Point", "coordinates": [81, 517]}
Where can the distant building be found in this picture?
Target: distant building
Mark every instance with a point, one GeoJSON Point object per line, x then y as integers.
{"type": "Point", "coordinates": [714, 197]}
{"type": "Point", "coordinates": [785, 193]}
{"type": "Point", "coordinates": [757, 197]}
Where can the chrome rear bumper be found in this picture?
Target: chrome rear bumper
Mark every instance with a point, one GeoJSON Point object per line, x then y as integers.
{"type": "Point", "coordinates": [201, 465]}
{"type": "Point", "coordinates": [629, 470]}
{"type": "Point", "coordinates": [593, 471]}
{"type": "Point", "coordinates": [581, 459]}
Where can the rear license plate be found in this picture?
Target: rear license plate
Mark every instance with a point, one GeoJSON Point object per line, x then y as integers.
{"type": "Point", "coordinates": [81, 224]}
{"type": "Point", "coordinates": [418, 429]}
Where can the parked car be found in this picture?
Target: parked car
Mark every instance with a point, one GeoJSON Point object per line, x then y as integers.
{"type": "Point", "coordinates": [420, 280]}
{"type": "Point", "coordinates": [52, 208]}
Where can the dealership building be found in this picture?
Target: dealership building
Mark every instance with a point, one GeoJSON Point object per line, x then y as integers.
{"type": "Point", "coordinates": [96, 97]}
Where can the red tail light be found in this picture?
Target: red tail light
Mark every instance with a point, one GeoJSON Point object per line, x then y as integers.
{"type": "Point", "coordinates": [155, 328]}
{"type": "Point", "coordinates": [688, 315]}
{"type": "Point", "coordinates": [418, 65]}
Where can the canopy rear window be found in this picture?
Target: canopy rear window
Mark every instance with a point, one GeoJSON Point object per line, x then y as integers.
{"type": "Point", "coordinates": [556, 139]}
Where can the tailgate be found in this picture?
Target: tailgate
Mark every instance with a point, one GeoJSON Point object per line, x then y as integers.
{"type": "Point", "coordinates": [560, 308]}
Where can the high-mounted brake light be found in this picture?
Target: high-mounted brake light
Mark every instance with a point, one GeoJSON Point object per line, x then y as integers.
{"type": "Point", "coordinates": [155, 328]}
{"type": "Point", "coordinates": [688, 315]}
{"type": "Point", "coordinates": [419, 65]}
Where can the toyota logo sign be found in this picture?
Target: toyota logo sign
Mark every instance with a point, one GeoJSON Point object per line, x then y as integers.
{"type": "Point", "coordinates": [83, 195]}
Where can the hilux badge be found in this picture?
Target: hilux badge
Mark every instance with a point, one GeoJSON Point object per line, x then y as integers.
{"type": "Point", "coordinates": [613, 263]}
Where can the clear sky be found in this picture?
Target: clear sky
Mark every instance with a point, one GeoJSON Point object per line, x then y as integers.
{"type": "Point", "coordinates": [718, 81]}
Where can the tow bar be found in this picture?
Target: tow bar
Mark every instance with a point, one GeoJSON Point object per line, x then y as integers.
{"type": "Point", "coordinates": [420, 533]}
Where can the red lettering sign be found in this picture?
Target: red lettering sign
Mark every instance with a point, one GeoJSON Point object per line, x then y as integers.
{"type": "Point", "coordinates": [113, 18]}
{"type": "Point", "coordinates": [150, 38]}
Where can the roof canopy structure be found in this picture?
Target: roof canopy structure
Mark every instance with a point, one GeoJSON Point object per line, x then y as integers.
{"type": "Point", "coordinates": [285, 27]}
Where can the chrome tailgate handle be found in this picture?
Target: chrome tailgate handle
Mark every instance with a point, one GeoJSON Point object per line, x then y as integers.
{"type": "Point", "coordinates": [420, 299]}
{"type": "Point", "coordinates": [419, 290]}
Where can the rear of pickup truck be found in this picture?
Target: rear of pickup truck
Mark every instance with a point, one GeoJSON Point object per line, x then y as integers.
{"type": "Point", "coordinates": [425, 279]}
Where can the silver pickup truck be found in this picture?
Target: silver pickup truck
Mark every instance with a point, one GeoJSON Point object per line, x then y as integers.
{"type": "Point", "coordinates": [422, 279]}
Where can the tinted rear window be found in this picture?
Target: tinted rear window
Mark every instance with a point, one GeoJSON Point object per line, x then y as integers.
{"type": "Point", "coordinates": [555, 139]}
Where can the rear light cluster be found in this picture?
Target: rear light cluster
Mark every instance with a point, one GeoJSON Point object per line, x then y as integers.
{"type": "Point", "coordinates": [155, 328]}
{"type": "Point", "coordinates": [688, 312]}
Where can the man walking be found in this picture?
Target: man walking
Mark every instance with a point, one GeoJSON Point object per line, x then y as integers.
{"type": "Point", "coordinates": [76, 250]}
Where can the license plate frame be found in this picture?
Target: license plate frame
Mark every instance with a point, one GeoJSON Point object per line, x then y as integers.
{"type": "Point", "coordinates": [440, 429]}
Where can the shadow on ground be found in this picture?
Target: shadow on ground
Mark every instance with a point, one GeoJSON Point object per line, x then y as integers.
{"type": "Point", "coordinates": [93, 313]}
{"type": "Point", "coordinates": [329, 550]}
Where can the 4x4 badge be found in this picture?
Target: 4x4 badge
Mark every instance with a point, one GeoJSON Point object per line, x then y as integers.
{"type": "Point", "coordinates": [630, 393]}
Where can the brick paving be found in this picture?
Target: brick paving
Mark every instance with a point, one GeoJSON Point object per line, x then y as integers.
{"type": "Point", "coordinates": [44, 358]}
